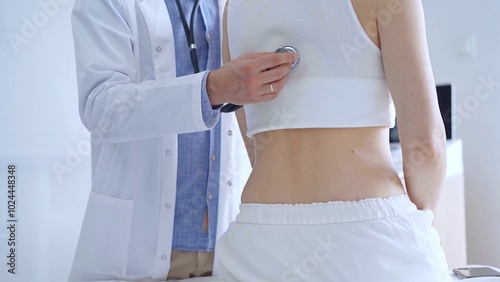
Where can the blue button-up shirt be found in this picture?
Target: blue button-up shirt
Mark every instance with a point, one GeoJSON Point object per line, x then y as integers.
{"type": "Point", "coordinates": [199, 152]}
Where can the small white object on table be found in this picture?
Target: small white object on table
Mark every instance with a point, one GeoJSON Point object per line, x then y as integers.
{"type": "Point", "coordinates": [479, 279]}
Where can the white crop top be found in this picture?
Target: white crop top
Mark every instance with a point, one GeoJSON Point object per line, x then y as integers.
{"type": "Point", "coordinates": [340, 81]}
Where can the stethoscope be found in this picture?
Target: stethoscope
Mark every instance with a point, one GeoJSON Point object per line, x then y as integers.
{"type": "Point", "coordinates": [188, 29]}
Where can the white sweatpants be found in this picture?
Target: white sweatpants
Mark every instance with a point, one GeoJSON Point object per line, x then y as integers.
{"type": "Point", "coordinates": [376, 240]}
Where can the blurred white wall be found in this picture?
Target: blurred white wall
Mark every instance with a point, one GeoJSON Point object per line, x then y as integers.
{"type": "Point", "coordinates": [464, 43]}
{"type": "Point", "coordinates": [40, 128]}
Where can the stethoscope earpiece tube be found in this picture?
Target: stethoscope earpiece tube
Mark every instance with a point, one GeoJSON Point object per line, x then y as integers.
{"type": "Point", "coordinates": [227, 108]}
{"type": "Point", "coordinates": [188, 29]}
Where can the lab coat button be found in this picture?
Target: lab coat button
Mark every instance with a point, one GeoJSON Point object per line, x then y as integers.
{"type": "Point", "coordinates": [163, 257]}
{"type": "Point", "coordinates": [167, 153]}
{"type": "Point", "coordinates": [213, 157]}
{"type": "Point", "coordinates": [208, 36]}
{"type": "Point", "coordinates": [229, 132]}
{"type": "Point", "coordinates": [167, 206]}
{"type": "Point", "coordinates": [158, 49]}
{"type": "Point", "coordinates": [229, 183]}
{"type": "Point", "coordinates": [209, 197]}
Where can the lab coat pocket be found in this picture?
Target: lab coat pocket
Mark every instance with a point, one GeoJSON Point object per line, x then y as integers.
{"type": "Point", "coordinates": [104, 238]}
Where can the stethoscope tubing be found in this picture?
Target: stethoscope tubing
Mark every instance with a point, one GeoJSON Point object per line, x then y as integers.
{"type": "Point", "coordinates": [188, 30]}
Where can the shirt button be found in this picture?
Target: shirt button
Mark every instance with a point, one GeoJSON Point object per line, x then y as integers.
{"type": "Point", "coordinates": [229, 132]}
{"type": "Point", "coordinates": [167, 206]}
{"type": "Point", "coordinates": [158, 49]}
{"type": "Point", "coordinates": [208, 36]}
{"type": "Point", "coordinates": [167, 153]}
{"type": "Point", "coordinates": [229, 183]}
{"type": "Point", "coordinates": [213, 157]}
{"type": "Point", "coordinates": [163, 257]}
{"type": "Point", "coordinates": [209, 197]}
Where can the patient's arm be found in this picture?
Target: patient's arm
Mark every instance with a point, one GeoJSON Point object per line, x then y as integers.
{"type": "Point", "coordinates": [411, 82]}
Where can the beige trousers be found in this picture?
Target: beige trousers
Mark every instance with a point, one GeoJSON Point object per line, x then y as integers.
{"type": "Point", "coordinates": [184, 264]}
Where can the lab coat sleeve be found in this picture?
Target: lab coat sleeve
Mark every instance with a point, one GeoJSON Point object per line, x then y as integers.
{"type": "Point", "coordinates": [114, 104]}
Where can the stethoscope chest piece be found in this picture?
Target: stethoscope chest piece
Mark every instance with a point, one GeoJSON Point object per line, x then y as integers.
{"type": "Point", "coordinates": [286, 49]}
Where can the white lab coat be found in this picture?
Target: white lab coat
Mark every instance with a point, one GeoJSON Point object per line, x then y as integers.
{"type": "Point", "coordinates": [134, 108]}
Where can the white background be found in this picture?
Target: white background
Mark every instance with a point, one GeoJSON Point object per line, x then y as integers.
{"type": "Point", "coordinates": [40, 127]}
{"type": "Point", "coordinates": [450, 23]}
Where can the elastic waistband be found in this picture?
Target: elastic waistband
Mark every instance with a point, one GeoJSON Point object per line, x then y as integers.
{"type": "Point", "coordinates": [325, 213]}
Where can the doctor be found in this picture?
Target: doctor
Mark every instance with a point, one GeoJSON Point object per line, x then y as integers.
{"type": "Point", "coordinates": [167, 167]}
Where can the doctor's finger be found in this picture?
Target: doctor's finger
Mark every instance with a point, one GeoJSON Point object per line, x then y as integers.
{"type": "Point", "coordinates": [250, 56]}
{"type": "Point", "coordinates": [276, 73]}
{"type": "Point", "coordinates": [274, 60]}
{"type": "Point", "coordinates": [274, 87]}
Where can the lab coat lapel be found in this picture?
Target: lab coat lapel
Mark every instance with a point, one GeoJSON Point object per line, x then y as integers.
{"type": "Point", "coordinates": [158, 23]}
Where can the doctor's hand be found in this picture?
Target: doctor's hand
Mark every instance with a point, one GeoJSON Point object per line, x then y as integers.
{"type": "Point", "coordinates": [249, 79]}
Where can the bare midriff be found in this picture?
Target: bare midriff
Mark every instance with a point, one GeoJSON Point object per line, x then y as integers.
{"type": "Point", "coordinates": [322, 165]}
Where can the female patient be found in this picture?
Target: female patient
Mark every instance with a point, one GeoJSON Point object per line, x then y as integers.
{"type": "Point", "coordinates": [324, 202]}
